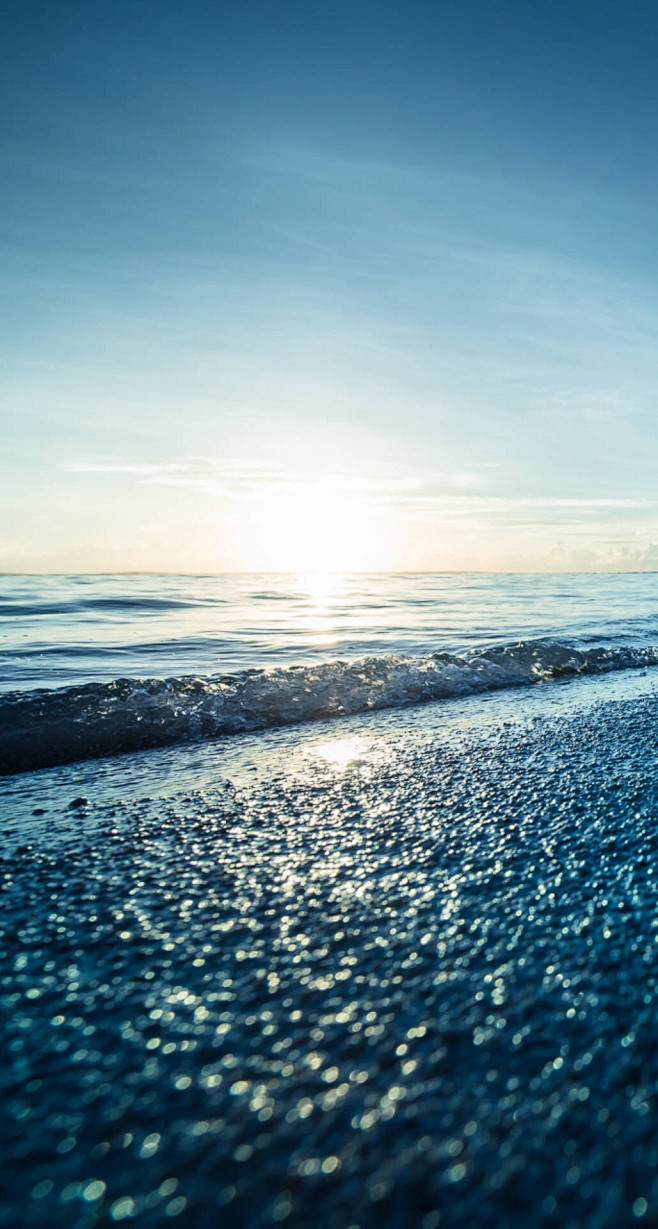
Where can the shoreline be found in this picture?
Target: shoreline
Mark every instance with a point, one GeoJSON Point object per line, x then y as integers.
{"type": "Point", "coordinates": [400, 973]}
{"type": "Point", "coordinates": [242, 757]}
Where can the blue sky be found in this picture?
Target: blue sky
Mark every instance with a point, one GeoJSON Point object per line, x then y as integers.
{"type": "Point", "coordinates": [292, 284]}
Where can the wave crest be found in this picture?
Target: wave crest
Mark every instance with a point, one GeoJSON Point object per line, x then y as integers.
{"type": "Point", "coordinates": [45, 728]}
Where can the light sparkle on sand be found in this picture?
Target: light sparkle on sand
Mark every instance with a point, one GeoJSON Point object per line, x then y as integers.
{"type": "Point", "coordinates": [412, 987]}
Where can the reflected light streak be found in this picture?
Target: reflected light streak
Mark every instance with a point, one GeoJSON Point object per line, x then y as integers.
{"type": "Point", "coordinates": [321, 588]}
{"type": "Point", "coordinates": [340, 753]}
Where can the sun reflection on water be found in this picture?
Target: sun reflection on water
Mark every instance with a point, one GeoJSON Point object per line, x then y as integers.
{"type": "Point", "coordinates": [322, 589]}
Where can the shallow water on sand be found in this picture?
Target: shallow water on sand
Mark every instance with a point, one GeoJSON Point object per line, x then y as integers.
{"type": "Point", "coordinates": [361, 741]}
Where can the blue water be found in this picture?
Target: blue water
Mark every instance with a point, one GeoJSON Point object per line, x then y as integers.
{"type": "Point", "coordinates": [63, 631]}
{"type": "Point", "coordinates": [99, 665]}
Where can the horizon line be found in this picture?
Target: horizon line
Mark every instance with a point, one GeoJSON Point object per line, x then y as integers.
{"type": "Point", "coordinates": [355, 572]}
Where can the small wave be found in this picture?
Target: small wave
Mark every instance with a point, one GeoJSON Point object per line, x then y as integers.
{"type": "Point", "coordinates": [106, 605]}
{"type": "Point", "coordinates": [44, 728]}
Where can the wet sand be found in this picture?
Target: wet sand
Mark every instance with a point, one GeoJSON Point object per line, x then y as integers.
{"type": "Point", "coordinates": [398, 971]}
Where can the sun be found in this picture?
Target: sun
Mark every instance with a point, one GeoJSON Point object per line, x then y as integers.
{"type": "Point", "coordinates": [315, 528]}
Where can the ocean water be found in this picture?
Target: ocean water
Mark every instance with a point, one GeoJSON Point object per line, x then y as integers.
{"type": "Point", "coordinates": [98, 665]}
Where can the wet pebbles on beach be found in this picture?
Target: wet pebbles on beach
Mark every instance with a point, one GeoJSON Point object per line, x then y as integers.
{"type": "Point", "coordinates": [414, 994]}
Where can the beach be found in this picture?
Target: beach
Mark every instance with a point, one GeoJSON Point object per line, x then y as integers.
{"type": "Point", "coordinates": [329, 616]}
{"type": "Point", "coordinates": [395, 969]}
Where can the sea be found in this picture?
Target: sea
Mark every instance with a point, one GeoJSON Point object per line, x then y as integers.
{"type": "Point", "coordinates": [98, 665]}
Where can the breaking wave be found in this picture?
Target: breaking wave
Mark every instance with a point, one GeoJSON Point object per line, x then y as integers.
{"type": "Point", "coordinates": [43, 728]}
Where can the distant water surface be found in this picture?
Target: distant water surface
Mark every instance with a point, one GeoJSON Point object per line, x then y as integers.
{"type": "Point", "coordinates": [58, 631]}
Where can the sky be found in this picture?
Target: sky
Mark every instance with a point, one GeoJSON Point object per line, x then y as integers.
{"type": "Point", "coordinates": [313, 286]}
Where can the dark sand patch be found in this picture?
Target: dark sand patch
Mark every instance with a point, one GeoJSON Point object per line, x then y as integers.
{"type": "Point", "coordinates": [417, 989]}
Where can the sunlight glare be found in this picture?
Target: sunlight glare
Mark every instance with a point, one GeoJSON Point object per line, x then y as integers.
{"type": "Point", "coordinates": [341, 753]}
{"type": "Point", "coordinates": [322, 589]}
{"type": "Point", "coordinates": [315, 529]}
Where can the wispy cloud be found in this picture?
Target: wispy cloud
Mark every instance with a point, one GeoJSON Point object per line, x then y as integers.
{"type": "Point", "coordinates": [446, 492]}
{"type": "Point", "coordinates": [243, 477]}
